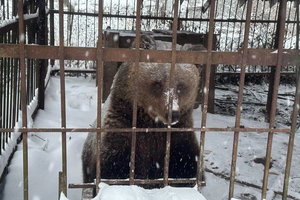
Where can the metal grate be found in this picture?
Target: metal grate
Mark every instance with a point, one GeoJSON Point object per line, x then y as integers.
{"type": "Point", "coordinates": [230, 19]}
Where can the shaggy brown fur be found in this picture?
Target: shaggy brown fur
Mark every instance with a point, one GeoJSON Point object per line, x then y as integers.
{"type": "Point", "coordinates": [152, 99]}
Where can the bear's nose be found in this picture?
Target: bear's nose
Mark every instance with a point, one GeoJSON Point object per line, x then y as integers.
{"type": "Point", "coordinates": [175, 117]}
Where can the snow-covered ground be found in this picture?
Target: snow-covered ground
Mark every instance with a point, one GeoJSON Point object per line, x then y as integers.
{"type": "Point", "coordinates": [45, 154]}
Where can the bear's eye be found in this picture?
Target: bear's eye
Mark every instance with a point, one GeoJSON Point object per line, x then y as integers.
{"type": "Point", "coordinates": [156, 88]}
{"type": "Point", "coordinates": [181, 88]}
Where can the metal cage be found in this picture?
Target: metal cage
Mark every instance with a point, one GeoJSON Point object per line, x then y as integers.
{"type": "Point", "coordinates": [264, 42]}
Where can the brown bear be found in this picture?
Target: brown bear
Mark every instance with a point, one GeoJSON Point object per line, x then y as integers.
{"type": "Point", "coordinates": [152, 112]}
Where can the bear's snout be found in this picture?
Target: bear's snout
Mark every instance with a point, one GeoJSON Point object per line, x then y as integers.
{"type": "Point", "coordinates": [175, 117]}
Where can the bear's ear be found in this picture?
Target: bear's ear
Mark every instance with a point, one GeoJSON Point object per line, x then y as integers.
{"type": "Point", "coordinates": [146, 42]}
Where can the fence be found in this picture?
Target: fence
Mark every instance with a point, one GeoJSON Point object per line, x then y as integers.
{"type": "Point", "coordinates": [22, 63]}
{"type": "Point", "coordinates": [10, 100]}
{"type": "Point", "coordinates": [193, 16]}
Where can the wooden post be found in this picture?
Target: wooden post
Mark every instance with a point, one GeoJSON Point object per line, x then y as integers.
{"type": "Point", "coordinates": [111, 40]}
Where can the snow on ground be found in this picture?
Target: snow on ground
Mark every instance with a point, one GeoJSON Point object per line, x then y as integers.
{"type": "Point", "coordinates": [135, 192]}
{"type": "Point", "coordinates": [44, 165]}
{"type": "Point", "coordinates": [45, 154]}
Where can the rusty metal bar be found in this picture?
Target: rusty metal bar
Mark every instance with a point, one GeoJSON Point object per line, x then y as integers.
{"type": "Point", "coordinates": [136, 85]}
{"type": "Point", "coordinates": [298, 25]}
{"type": "Point", "coordinates": [41, 64]}
{"type": "Point", "coordinates": [137, 181]}
{"type": "Point", "coordinates": [78, 130]}
{"type": "Point", "coordinates": [63, 97]}
{"type": "Point", "coordinates": [16, 91]}
{"type": "Point", "coordinates": [291, 138]}
{"type": "Point", "coordinates": [99, 85]}
{"type": "Point", "coordinates": [171, 91]}
{"type": "Point", "coordinates": [5, 104]}
{"type": "Point", "coordinates": [148, 17]}
{"type": "Point", "coordinates": [265, 57]}
{"type": "Point", "coordinates": [273, 69]}
{"type": "Point", "coordinates": [240, 100]}
{"type": "Point", "coordinates": [51, 30]}
{"type": "Point", "coordinates": [294, 120]}
{"type": "Point", "coordinates": [206, 91]}
{"type": "Point", "coordinates": [282, 14]}
{"type": "Point", "coordinates": [61, 183]}
{"type": "Point", "coordinates": [68, 70]}
{"type": "Point", "coordinates": [167, 156]}
{"type": "Point", "coordinates": [23, 97]}
{"type": "Point", "coordinates": [10, 98]}
{"type": "Point", "coordinates": [1, 101]}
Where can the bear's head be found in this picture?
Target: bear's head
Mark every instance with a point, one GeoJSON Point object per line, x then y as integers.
{"type": "Point", "coordinates": [154, 89]}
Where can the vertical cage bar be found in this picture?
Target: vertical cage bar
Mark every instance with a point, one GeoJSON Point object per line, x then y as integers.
{"type": "Point", "coordinates": [266, 32]}
{"type": "Point", "coordinates": [28, 66]}
{"type": "Point", "coordinates": [78, 25]}
{"type": "Point", "coordinates": [294, 118]}
{"type": "Point", "coordinates": [86, 27]}
{"type": "Point", "coordinates": [228, 23]}
{"type": "Point", "coordinates": [51, 27]}
{"type": "Point", "coordinates": [238, 24]}
{"type": "Point", "coordinates": [282, 14]}
{"type": "Point", "coordinates": [41, 63]}
{"type": "Point", "coordinates": [18, 89]}
{"type": "Point", "coordinates": [1, 85]}
{"type": "Point", "coordinates": [100, 85]}
{"type": "Point", "coordinates": [273, 68]}
{"type": "Point", "coordinates": [291, 138]}
{"type": "Point", "coordinates": [297, 24]}
{"type": "Point", "coordinates": [5, 105]}
{"type": "Point", "coordinates": [23, 98]}
{"type": "Point", "coordinates": [63, 97]}
{"type": "Point", "coordinates": [240, 99]}
{"type": "Point", "coordinates": [7, 99]}
{"type": "Point", "coordinates": [15, 91]}
{"type": "Point", "coordinates": [206, 90]}
{"type": "Point", "coordinates": [1, 100]}
{"type": "Point", "coordinates": [110, 12]}
{"type": "Point", "coordinates": [171, 91]}
{"type": "Point", "coordinates": [11, 95]}
{"type": "Point", "coordinates": [136, 82]}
